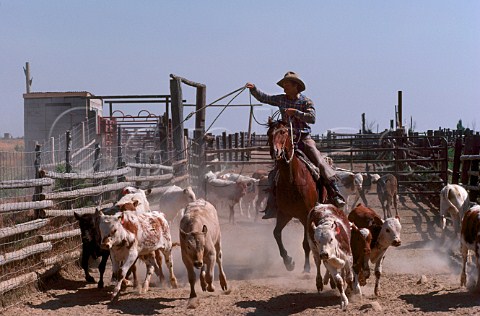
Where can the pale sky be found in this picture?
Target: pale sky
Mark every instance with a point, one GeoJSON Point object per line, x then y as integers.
{"type": "Point", "coordinates": [353, 56]}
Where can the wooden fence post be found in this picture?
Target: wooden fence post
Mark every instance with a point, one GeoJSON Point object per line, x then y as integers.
{"type": "Point", "coordinates": [229, 140]}
{"type": "Point", "coordinates": [96, 168]}
{"type": "Point", "coordinates": [242, 144]}
{"type": "Point", "coordinates": [138, 170]}
{"type": "Point", "coordinates": [120, 162]}
{"type": "Point", "coordinates": [68, 164]}
{"type": "Point", "coordinates": [199, 133]}
{"type": "Point", "coordinates": [456, 160]}
{"type": "Point", "coordinates": [236, 138]}
{"type": "Point", "coordinates": [177, 117]}
{"type": "Point", "coordinates": [224, 145]}
{"type": "Point", "coordinates": [37, 163]}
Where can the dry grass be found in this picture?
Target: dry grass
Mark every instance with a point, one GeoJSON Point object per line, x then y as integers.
{"type": "Point", "coordinates": [10, 145]}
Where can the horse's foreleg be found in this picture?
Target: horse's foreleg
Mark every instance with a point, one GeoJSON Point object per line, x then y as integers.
{"type": "Point", "coordinates": [282, 221]}
{"type": "Point", "coordinates": [306, 249]}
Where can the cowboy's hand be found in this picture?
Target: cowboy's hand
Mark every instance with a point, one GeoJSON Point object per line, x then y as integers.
{"type": "Point", "coordinates": [290, 112]}
{"type": "Point", "coordinates": [249, 85]}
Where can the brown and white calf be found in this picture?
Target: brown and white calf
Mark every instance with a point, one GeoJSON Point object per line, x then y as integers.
{"type": "Point", "coordinates": [360, 241]}
{"type": "Point", "coordinates": [131, 235]}
{"type": "Point", "coordinates": [387, 191]}
{"type": "Point", "coordinates": [200, 241]}
{"type": "Point", "coordinates": [220, 191]}
{"type": "Point", "coordinates": [349, 184]}
{"type": "Point", "coordinates": [248, 200]}
{"type": "Point", "coordinates": [131, 194]}
{"type": "Point", "coordinates": [328, 234]}
{"type": "Point", "coordinates": [385, 233]}
{"type": "Point", "coordinates": [454, 201]}
{"type": "Point", "coordinates": [470, 240]}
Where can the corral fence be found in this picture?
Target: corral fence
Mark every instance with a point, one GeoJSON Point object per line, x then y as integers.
{"type": "Point", "coordinates": [422, 163]}
{"type": "Point", "coordinates": [38, 231]}
{"type": "Point", "coordinates": [83, 170]}
{"type": "Point", "coordinates": [86, 168]}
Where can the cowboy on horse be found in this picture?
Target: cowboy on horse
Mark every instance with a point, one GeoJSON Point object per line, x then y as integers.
{"type": "Point", "coordinates": [299, 110]}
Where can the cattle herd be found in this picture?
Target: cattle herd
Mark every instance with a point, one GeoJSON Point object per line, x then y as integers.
{"type": "Point", "coordinates": [345, 241]}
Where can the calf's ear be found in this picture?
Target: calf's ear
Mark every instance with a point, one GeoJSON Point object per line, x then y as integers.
{"type": "Point", "coordinates": [77, 216]}
{"type": "Point", "coordinates": [204, 229]}
{"type": "Point", "coordinates": [337, 228]}
{"type": "Point", "coordinates": [397, 217]}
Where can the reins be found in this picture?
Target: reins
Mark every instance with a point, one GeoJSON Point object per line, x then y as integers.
{"type": "Point", "coordinates": [287, 160]}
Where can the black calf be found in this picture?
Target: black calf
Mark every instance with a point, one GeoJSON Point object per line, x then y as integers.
{"type": "Point", "coordinates": [91, 245]}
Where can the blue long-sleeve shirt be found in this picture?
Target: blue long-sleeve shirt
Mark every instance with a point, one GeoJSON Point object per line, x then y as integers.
{"type": "Point", "coordinates": [304, 115]}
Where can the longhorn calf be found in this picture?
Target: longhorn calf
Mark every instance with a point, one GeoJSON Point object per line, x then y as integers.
{"type": "Point", "coordinates": [220, 191]}
{"type": "Point", "coordinates": [200, 241]}
{"type": "Point", "coordinates": [387, 191]}
{"type": "Point", "coordinates": [129, 236]}
{"type": "Point", "coordinates": [172, 199]}
{"type": "Point", "coordinates": [328, 234]}
{"type": "Point", "coordinates": [350, 184]}
{"type": "Point", "coordinates": [385, 233]}
{"type": "Point", "coordinates": [251, 193]}
{"type": "Point", "coordinates": [470, 240]}
{"type": "Point", "coordinates": [454, 201]}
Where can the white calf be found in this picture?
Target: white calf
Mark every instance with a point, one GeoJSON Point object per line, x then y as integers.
{"type": "Point", "coordinates": [455, 202]}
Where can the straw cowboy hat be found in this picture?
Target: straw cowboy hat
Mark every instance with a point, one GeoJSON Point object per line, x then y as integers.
{"type": "Point", "coordinates": [292, 77]}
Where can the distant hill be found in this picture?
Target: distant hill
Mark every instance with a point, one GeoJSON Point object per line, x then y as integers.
{"type": "Point", "coordinates": [10, 145]}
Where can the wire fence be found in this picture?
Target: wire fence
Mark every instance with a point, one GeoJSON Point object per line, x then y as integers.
{"type": "Point", "coordinates": [41, 190]}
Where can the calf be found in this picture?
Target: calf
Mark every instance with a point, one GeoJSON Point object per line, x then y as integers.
{"type": "Point", "coordinates": [200, 241]}
{"type": "Point", "coordinates": [91, 245]}
{"type": "Point", "coordinates": [387, 190]}
{"type": "Point", "coordinates": [251, 190]}
{"type": "Point", "coordinates": [470, 240]}
{"type": "Point", "coordinates": [385, 233]}
{"type": "Point", "coordinates": [328, 234]}
{"type": "Point", "coordinates": [360, 244]}
{"type": "Point", "coordinates": [131, 194]}
{"type": "Point", "coordinates": [130, 235]}
{"type": "Point", "coordinates": [218, 191]}
{"type": "Point", "coordinates": [455, 202]}
{"type": "Point", "coordinates": [349, 184]}
{"type": "Point", "coordinates": [172, 199]}
{"type": "Point", "coordinates": [263, 188]}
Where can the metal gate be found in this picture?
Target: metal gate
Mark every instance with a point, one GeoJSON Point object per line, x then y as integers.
{"type": "Point", "coordinates": [420, 163]}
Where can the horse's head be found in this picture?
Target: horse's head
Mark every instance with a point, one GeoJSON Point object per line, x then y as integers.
{"type": "Point", "coordinates": [278, 139]}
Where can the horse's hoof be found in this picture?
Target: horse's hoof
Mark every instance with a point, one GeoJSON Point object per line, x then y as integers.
{"type": "Point", "coordinates": [289, 264]}
{"type": "Point", "coordinates": [90, 279]}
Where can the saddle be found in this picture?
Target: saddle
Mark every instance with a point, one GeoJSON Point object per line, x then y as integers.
{"type": "Point", "coordinates": [310, 166]}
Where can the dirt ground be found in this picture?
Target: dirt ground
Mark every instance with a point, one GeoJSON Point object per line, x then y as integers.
{"type": "Point", "coordinates": [260, 285]}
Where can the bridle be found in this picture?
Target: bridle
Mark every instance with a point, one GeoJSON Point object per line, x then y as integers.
{"type": "Point", "coordinates": [287, 160]}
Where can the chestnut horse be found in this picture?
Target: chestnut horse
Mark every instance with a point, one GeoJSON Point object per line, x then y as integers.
{"type": "Point", "coordinates": [296, 190]}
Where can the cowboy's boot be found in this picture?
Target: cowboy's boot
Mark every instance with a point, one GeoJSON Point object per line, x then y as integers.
{"type": "Point", "coordinates": [271, 207]}
{"type": "Point", "coordinates": [334, 194]}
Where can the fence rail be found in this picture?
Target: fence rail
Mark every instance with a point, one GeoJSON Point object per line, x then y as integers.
{"type": "Point", "coordinates": [36, 211]}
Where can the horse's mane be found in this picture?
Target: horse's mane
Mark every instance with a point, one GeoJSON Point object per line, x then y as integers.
{"type": "Point", "coordinates": [274, 123]}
